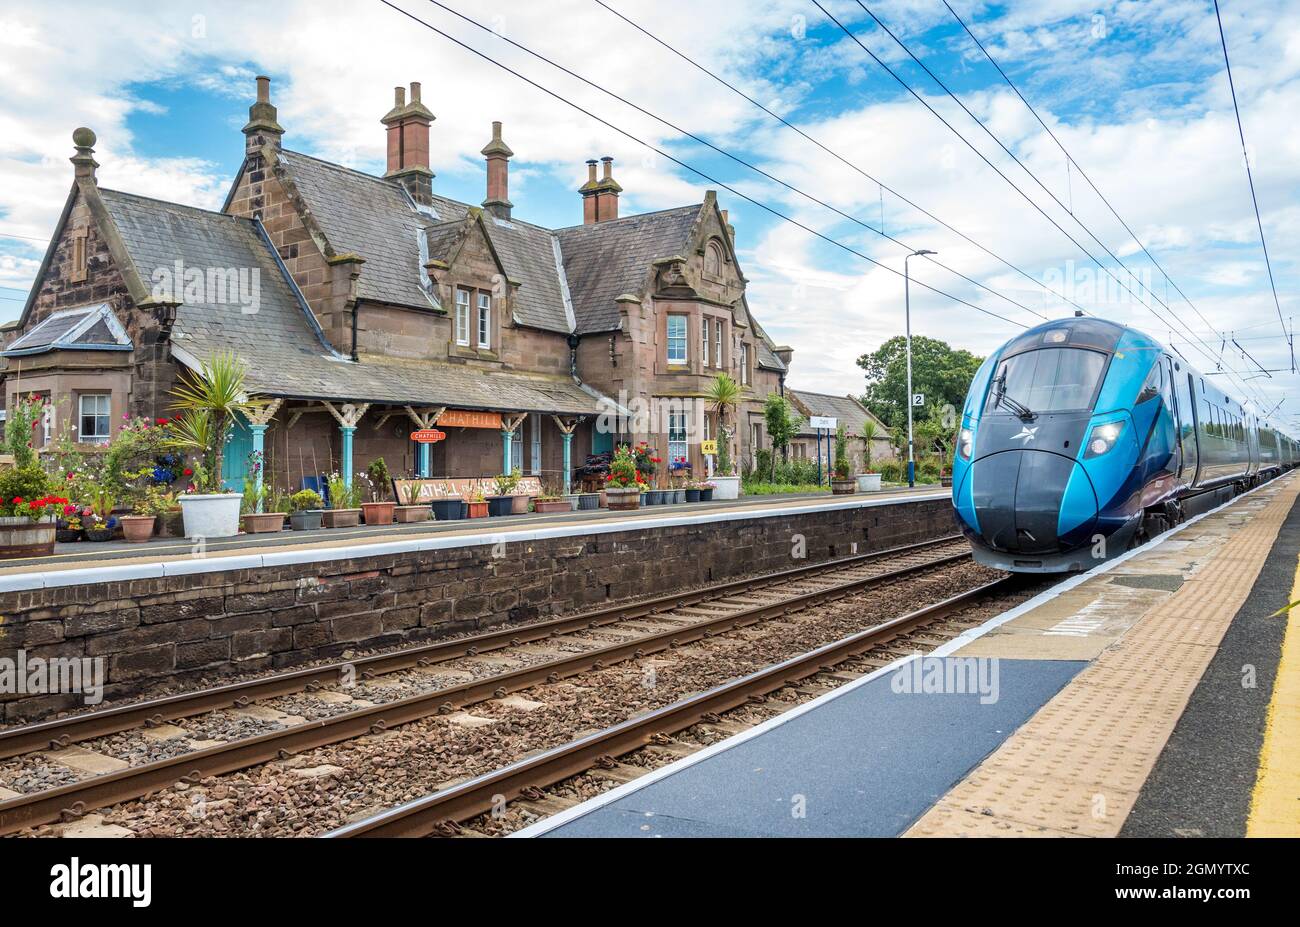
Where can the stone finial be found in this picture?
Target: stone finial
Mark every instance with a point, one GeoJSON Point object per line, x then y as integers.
{"type": "Point", "coordinates": [83, 162]}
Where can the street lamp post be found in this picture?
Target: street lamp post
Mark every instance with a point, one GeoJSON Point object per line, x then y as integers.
{"type": "Point", "coordinates": [907, 311]}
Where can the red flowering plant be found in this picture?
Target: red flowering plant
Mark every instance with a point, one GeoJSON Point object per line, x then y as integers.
{"type": "Point", "coordinates": [25, 487]}
{"type": "Point", "coordinates": [646, 460]}
{"type": "Point", "coordinates": [623, 472]}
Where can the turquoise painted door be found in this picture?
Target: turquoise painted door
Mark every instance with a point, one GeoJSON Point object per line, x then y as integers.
{"type": "Point", "coordinates": [601, 442]}
{"type": "Point", "coordinates": [234, 465]}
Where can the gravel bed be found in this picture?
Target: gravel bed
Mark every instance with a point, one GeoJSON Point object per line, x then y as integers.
{"type": "Point", "coordinates": [35, 775]}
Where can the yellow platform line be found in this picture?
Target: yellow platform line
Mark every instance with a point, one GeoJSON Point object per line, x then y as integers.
{"type": "Point", "coordinates": [1275, 804]}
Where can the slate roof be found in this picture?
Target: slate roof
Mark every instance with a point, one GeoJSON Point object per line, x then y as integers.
{"type": "Point", "coordinates": [286, 353]}
{"type": "Point", "coordinates": [85, 328]}
{"type": "Point", "coordinates": [607, 259]}
{"type": "Point", "coordinates": [849, 411]}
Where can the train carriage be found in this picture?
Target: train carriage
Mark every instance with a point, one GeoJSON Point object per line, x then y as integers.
{"type": "Point", "coordinates": [1082, 437]}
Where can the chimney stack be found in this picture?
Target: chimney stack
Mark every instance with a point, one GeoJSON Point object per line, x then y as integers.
{"type": "Point", "coordinates": [498, 156]}
{"type": "Point", "coordinates": [600, 197]}
{"type": "Point", "coordinates": [408, 144]}
{"type": "Point", "coordinates": [262, 130]}
{"type": "Point", "coordinates": [83, 162]}
{"type": "Point", "coordinates": [785, 353]}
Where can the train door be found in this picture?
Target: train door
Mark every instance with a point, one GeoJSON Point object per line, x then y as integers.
{"type": "Point", "coordinates": [1184, 392]}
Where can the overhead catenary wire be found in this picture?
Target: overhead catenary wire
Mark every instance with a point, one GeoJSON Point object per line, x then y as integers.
{"type": "Point", "coordinates": [728, 154]}
{"type": "Point", "coordinates": [694, 170]}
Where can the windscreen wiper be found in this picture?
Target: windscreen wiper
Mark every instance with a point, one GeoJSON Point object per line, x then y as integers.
{"type": "Point", "coordinates": [1022, 411]}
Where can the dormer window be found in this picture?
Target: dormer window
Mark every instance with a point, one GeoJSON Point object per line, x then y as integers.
{"type": "Point", "coordinates": [462, 318]}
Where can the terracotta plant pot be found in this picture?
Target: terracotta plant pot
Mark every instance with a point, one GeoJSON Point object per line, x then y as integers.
{"type": "Point", "coordinates": [519, 504]}
{"type": "Point", "coordinates": [476, 509]}
{"type": "Point", "coordinates": [551, 505]}
{"type": "Point", "coordinates": [341, 518]}
{"type": "Point", "coordinates": [263, 522]}
{"type": "Point", "coordinates": [306, 520]}
{"type": "Point", "coordinates": [409, 514]}
{"type": "Point", "coordinates": [845, 487]}
{"type": "Point", "coordinates": [137, 529]}
{"type": "Point", "coordinates": [623, 500]}
{"type": "Point", "coordinates": [21, 537]}
{"type": "Point", "coordinates": [378, 513]}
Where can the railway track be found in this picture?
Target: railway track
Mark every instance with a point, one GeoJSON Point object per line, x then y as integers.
{"type": "Point", "coordinates": [441, 813]}
{"type": "Point", "coordinates": [666, 622]}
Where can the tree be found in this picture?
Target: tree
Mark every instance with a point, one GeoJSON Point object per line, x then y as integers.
{"type": "Point", "coordinates": [723, 396]}
{"type": "Point", "coordinates": [208, 401]}
{"type": "Point", "coordinates": [942, 373]}
{"type": "Point", "coordinates": [782, 425]}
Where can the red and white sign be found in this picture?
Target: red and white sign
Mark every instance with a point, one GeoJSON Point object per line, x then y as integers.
{"type": "Point", "coordinates": [428, 436]}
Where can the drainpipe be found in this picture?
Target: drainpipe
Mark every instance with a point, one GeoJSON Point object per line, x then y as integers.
{"type": "Point", "coordinates": [356, 309]}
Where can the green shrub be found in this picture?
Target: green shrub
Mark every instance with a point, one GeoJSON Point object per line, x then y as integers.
{"type": "Point", "coordinates": [304, 500]}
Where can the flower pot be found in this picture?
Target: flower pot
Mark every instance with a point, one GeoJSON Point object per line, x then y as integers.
{"type": "Point", "coordinates": [211, 515]}
{"type": "Point", "coordinates": [644, 498]}
{"type": "Point", "coordinates": [588, 501]}
{"type": "Point", "coordinates": [499, 505]}
{"type": "Point", "coordinates": [137, 528]}
{"type": "Point", "coordinates": [623, 500]}
{"type": "Point", "coordinates": [726, 487]}
{"type": "Point", "coordinates": [67, 535]}
{"type": "Point", "coordinates": [679, 496]}
{"type": "Point", "coordinates": [409, 514]}
{"type": "Point", "coordinates": [378, 513]}
{"type": "Point", "coordinates": [341, 518]}
{"type": "Point", "coordinates": [845, 487]}
{"type": "Point", "coordinates": [263, 522]}
{"type": "Point", "coordinates": [653, 496]}
{"type": "Point", "coordinates": [692, 495]}
{"type": "Point", "coordinates": [476, 510]}
{"type": "Point", "coordinates": [572, 499]}
{"type": "Point", "coordinates": [604, 500]}
{"type": "Point", "coordinates": [706, 495]}
{"type": "Point", "coordinates": [449, 509]}
{"type": "Point", "coordinates": [945, 481]}
{"type": "Point", "coordinates": [171, 525]}
{"type": "Point", "coordinates": [519, 504]}
{"type": "Point", "coordinates": [22, 537]}
{"type": "Point", "coordinates": [551, 505]}
{"type": "Point", "coordinates": [868, 482]}
{"type": "Point", "coordinates": [102, 533]}
{"type": "Point", "coordinates": [307, 520]}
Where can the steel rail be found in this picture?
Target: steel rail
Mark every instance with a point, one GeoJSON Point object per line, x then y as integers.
{"type": "Point", "coordinates": [74, 799]}
{"type": "Point", "coordinates": [52, 735]}
{"type": "Point", "coordinates": [432, 813]}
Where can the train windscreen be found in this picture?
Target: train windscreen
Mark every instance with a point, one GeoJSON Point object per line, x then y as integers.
{"type": "Point", "coordinates": [1047, 380]}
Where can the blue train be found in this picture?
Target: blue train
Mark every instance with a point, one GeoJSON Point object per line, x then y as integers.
{"type": "Point", "coordinates": [1081, 438]}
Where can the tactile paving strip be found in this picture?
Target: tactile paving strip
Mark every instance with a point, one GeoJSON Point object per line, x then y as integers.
{"type": "Point", "coordinates": [1076, 767]}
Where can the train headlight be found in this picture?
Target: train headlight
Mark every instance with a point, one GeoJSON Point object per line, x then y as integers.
{"type": "Point", "coordinates": [964, 442]}
{"type": "Point", "coordinates": [1103, 438]}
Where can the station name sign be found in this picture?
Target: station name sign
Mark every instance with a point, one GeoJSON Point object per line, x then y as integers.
{"type": "Point", "coordinates": [464, 418]}
{"type": "Point", "coordinates": [428, 436]}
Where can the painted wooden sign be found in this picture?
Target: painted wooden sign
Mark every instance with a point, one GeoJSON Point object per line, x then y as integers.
{"type": "Point", "coordinates": [464, 418]}
{"type": "Point", "coordinates": [428, 436]}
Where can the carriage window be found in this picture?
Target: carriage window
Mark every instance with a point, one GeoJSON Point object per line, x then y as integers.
{"type": "Point", "coordinates": [1151, 388]}
{"type": "Point", "coordinates": [1048, 380]}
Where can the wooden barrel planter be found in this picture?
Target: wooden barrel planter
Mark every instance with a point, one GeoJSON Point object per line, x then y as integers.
{"type": "Point", "coordinates": [22, 537]}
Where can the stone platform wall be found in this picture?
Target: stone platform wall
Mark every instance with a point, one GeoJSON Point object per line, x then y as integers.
{"type": "Point", "coordinates": [152, 631]}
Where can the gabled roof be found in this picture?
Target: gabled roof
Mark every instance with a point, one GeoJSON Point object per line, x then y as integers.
{"type": "Point", "coordinates": [85, 328]}
{"type": "Point", "coordinates": [607, 259]}
{"type": "Point", "coordinates": [850, 412]}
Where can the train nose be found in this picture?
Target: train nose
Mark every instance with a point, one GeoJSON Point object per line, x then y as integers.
{"type": "Point", "coordinates": [1032, 502]}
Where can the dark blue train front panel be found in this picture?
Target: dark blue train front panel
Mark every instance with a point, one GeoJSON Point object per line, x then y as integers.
{"type": "Point", "coordinates": [1068, 434]}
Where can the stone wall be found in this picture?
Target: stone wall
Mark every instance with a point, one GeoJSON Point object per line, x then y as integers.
{"type": "Point", "coordinates": [150, 631]}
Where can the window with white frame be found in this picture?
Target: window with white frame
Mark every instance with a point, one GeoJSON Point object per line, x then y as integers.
{"type": "Point", "coordinates": [704, 342]}
{"type": "Point", "coordinates": [755, 437]}
{"type": "Point", "coordinates": [94, 418]}
{"type": "Point", "coordinates": [462, 317]}
{"type": "Point", "coordinates": [717, 343]}
{"type": "Point", "coordinates": [677, 454]}
{"type": "Point", "coordinates": [485, 320]}
{"type": "Point", "coordinates": [744, 364]}
{"type": "Point", "coordinates": [677, 339]}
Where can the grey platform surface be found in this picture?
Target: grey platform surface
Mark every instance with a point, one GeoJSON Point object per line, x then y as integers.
{"type": "Point", "coordinates": [866, 762]}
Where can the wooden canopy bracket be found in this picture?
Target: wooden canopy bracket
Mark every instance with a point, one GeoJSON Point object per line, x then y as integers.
{"type": "Point", "coordinates": [425, 418]}
{"type": "Point", "coordinates": [348, 414]}
{"type": "Point", "coordinates": [264, 414]}
{"type": "Point", "coordinates": [512, 423]}
{"type": "Point", "coordinates": [567, 426]}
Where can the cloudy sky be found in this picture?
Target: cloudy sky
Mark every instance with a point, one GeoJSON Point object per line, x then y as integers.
{"type": "Point", "coordinates": [1135, 91]}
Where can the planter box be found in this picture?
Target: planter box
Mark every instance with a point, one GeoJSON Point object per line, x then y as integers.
{"type": "Point", "coordinates": [604, 500]}
{"type": "Point", "coordinates": [137, 528]}
{"type": "Point", "coordinates": [868, 482]}
{"type": "Point", "coordinates": [572, 499]}
{"type": "Point", "coordinates": [588, 501]}
{"type": "Point", "coordinates": [692, 495]}
{"type": "Point", "coordinates": [945, 481]}
{"type": "Point", "coordinates": [726, 487]}
{"type": "Point", "coordinates": [20, 537]}
{"type": "Point", "coordinates": [843, 487]}
{"type": "Point", "coordinates": [214, 515]}
{"type": "Point", "coordinates": [263, 522]}
{"type": "Point", "coordinates": [449, 509]}
{"type": "Point", "coordinates": [499, 505]}
{"type": "Point", "coordinates": [409, 514]}
{"type": "Point", "coordinates": [67, 535]}
{"type": "Point", "coordinates": [99, 534]}
{"type": "Point", "coordinates": [519, 504]}
{"type": "Point", "coordinates": [476, 510]}
{"type": "Point", "coordinates": [623, 500]}
{"type": "Point", "coordinates": [341, 518]}
{"type": "Point", "coordinates": [706, 495]}
{"type": "Point", "coordinates": [679, 495]}
{"type": "Point", "coordinates": [654, 496]}
{"type": "Point", "coordinates": [378, 513]}
{"type": "Point", "coordinates": [551, 505]}
{"type": "Point", "coordinates": [307, 520]}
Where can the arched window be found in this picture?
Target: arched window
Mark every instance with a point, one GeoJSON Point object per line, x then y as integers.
{"type": "Point", "coordinates": [713, 259]}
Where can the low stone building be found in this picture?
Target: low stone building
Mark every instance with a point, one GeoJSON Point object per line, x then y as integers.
{"type": "Point", "coordinates": [848, 412]}
{"type": "Point", "coordinates": [367, 307]}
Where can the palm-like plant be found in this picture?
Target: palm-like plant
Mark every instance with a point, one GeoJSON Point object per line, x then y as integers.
{"type": "Point", "coordinates": [869, 432]}
{"type": "Point", "coordinates": [723, 396]}
{"type": "Point", "coordinates": [208, 401]}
